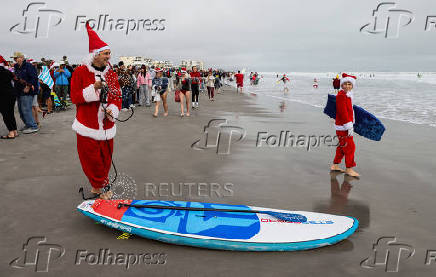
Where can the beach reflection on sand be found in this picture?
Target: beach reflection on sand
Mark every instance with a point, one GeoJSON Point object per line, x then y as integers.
{"type": "Point", "coordinates": [339, 202]}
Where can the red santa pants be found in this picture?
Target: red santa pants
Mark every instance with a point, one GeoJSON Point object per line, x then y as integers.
{"type": "Point", "coordinates": [95, 157]}
{"type": "Point", "coordinates": [345, 148]}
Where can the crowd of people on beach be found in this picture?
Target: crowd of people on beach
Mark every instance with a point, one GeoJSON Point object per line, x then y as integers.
{"type": "Point", "coordinates": [41, 88]}
{"type": "Point", "coordinates": [100, 91]}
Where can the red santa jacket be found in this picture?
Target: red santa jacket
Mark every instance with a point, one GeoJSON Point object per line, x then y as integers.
{"type": "Point", "coordinates": [344, 111]}
{"type": "Point", "coordinates": [90, 119]}
{"type": "Point", "coordinates": [239, 78]}
{"type": "Point", "coordinates": [195, 77]}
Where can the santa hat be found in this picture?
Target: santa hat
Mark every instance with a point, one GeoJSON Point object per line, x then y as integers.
{"type": "Point", "coordinates": [3, 62]}
{"type": "Point", "coordinates": [96, 45]}
{"type": "Point", "coordinates": [348, 78]}
{"type": "Point", "coordinates": [183, 70]}
{"type": "Point", "coordinates": [157, 69]}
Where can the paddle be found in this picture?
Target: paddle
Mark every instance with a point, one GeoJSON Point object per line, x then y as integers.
{"type": "Point", "coordinates": [282, 216]}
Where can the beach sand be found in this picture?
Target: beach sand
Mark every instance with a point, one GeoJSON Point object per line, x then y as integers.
{"type": "Point", "coordinates": [41, 175]}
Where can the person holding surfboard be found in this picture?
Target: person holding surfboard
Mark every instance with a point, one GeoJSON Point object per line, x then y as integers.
{"type": "Point", "coordinates": [344, 126]}
{"type": "Point", "coordinates": [97, 95]}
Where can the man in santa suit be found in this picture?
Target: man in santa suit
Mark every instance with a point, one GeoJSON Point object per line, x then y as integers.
{"type": "Point", "coordinates": [95, 116]}
{"type": "Point", "coordinates": [239, 81]}
{"type": "Point", "coordinates": [344, 126]}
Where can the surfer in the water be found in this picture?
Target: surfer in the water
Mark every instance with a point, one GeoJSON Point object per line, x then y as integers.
{"type": "Point", "coordinates": [344, 126]}
{"type": "Point", "coordinates": [96, 113]}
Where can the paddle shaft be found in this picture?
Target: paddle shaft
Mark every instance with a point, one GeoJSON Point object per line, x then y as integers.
{"type": "Point", "coordinates": [190, 208]}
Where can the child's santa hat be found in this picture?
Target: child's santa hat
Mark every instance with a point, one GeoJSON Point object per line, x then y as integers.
{"type": "Point", "coordinates": [348, 78]}
{"type": "Point", "coordinates": [157, 69]}
{"type": "Point", "coordinates": [183, 70]}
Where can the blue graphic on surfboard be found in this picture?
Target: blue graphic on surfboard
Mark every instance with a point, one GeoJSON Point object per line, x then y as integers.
{"type": "Point", "coordinates": [220, 230]}
{"type": "Point", "coordinates": [366, 124]}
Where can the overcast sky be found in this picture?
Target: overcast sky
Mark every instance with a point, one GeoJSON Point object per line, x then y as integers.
{"type": "Point", "coordinates": [268, 35]}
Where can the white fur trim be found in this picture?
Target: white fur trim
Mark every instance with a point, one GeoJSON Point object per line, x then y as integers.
{"type": "Point", "coordinates": [88, 62]}
{"type": "Point", "coordinates": [348, 79]}
{"type": "Point", "coordinates": [97, 134]}
{"type": "Point", "coordinates": [2, 64]}
{"type": "Point", "coordinates": [90, 94]}
{"type": "Point", "coordinates": [348, 125]}
{"type": "Point", "coordinates": [115, 112]}
{"type": "Point", "coordinates": [101, 49]}
{"type": "Point", "coordinates": [345, 127]}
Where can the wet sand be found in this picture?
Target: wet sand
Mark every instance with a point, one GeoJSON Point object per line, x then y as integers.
{"type": "Point", "coordinates": [41, 174]}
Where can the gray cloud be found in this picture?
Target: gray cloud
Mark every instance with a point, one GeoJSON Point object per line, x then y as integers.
{"type": "Point", "coordinates": [259, 35]}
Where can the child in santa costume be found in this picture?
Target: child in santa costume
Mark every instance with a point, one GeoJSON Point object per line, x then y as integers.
{"type": "Point", "coordinates": [95, 120]}
{"type": "Point", "coordinates": [344, 126]}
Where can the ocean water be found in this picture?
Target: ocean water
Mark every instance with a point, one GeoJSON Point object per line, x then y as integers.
{"type": "Point", "coordinates": [398, 96]}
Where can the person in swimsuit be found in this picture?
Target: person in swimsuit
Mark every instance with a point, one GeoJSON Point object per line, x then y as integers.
{"type": "Point", "coordinates": [184, 86]}
{"type": "Point", "coordinates": [160, 89]}
{"type": "Point", "coordinates": [285, 80]}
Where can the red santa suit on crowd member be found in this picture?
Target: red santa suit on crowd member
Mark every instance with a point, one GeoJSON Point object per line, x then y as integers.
{"type": "Point", "coordinates": [344, 124]}
{"type": "Point", "coordinates": [239, 80]}
{"type": "Point", "coordinates": [95, 131]}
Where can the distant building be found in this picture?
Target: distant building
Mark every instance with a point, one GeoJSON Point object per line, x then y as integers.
{"type": "Point", "coordinates": [136, 60]}
{"type": "Point", "coordinates": [163, 64]}
{"type": "Point", "coordinates": [190, 63]}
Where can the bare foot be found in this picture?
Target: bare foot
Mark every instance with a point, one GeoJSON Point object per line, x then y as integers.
{"type": "Point", "coordinates": [188, 114]}
{"type": "Point", "coordinates": [352, 173]}
{"type": "Point", "coordinates": [154, 115]}
{"type": "Point", "coordinates": [107, 195]}
{"type": "Point", "coordinates": [335, 167]}
{"type": "Point", "coordinates": [165, 114]}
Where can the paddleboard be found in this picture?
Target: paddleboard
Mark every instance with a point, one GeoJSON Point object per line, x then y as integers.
{"type": "Point", "coordinates": [221, 230]}
{"type": "Point", "coordinates": [366, 124]}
